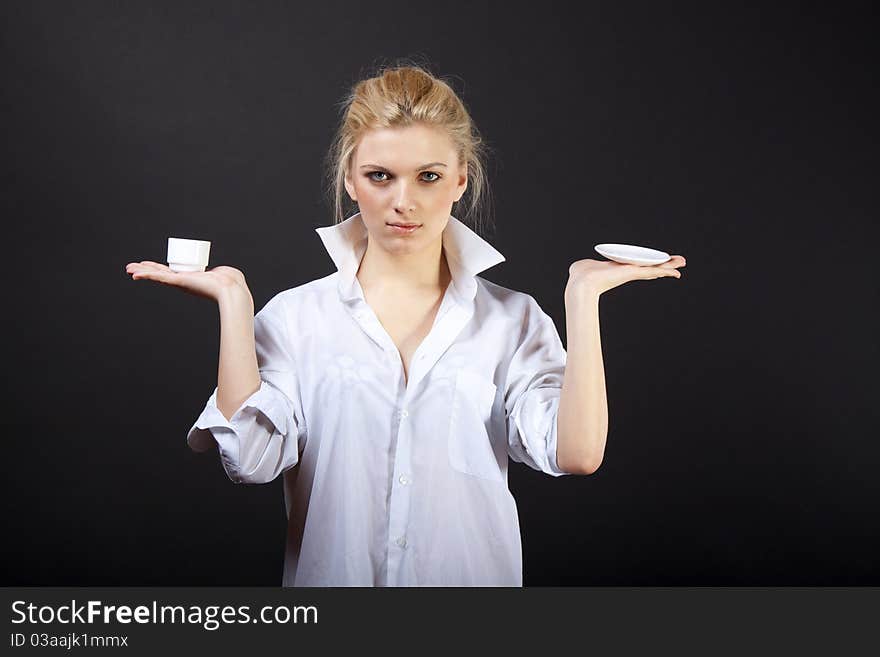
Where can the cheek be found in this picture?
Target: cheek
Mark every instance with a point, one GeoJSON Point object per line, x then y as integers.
{"type": "Point", "coordinates": [368, 193]}
{"type": "Point", "coordinates": [441, 194]}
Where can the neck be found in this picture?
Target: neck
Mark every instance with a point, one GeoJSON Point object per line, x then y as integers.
{"type": "Point", "coordinates": [404, 272]}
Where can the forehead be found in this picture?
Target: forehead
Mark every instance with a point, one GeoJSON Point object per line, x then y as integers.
{"type": "Point", "coordinates": [410, 145]}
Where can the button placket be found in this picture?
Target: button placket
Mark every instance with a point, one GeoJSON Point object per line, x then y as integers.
{"type": "Point", "coordinates": [449, 322]}
{"type": "Point", "coordinates": [400, 492]}
{"type": "Point", "coordinates": [452, 318]}
{"type": "Point", "coordinates": [362, 317]}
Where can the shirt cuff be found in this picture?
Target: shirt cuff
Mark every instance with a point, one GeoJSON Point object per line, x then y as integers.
{"type": "Point", "coordinates": [536, 424]}
{"type": "Point", "coordinates": [212, 424]}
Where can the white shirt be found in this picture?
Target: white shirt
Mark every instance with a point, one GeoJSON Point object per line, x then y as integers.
{"type": "Point", "coordinates": [390, 482]}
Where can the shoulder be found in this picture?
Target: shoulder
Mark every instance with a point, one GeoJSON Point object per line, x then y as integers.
{"type": "Point", "coordinates": [286, 304]}
{"type": "Point", "coordinates": [512, 302]}
{"type": "Point", "coordinates": [522, 313]}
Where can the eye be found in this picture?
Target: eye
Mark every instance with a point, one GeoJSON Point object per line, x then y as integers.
{"type": "Point", "coordinates": [370, 175]}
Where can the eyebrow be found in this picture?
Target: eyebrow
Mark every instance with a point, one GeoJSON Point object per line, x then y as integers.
{"type": "Point", "coordinates": [424, 166]}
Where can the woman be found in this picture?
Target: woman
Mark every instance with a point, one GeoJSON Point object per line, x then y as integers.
{"type": "Point", "coordinates": [391, 393]}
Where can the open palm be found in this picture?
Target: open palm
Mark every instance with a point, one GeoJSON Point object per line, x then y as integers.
{"type": "Point", "coordinates": [603, 275]}
{"type": "Point", "coordinates": [211, 284]}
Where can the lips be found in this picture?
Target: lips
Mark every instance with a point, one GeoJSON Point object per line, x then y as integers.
{"type": "Point", "coordinates": [405, 225]}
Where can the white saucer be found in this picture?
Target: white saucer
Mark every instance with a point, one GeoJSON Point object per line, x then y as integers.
{"type": "Point", "coordinates": [632, 255]}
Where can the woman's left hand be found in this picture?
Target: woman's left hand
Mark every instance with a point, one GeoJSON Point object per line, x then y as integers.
{"type": "Point", "coordinates": [598, 276]}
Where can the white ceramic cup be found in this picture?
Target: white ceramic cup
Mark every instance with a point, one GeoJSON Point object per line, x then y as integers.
{"type": "Point", "coordinates": [188, 255]}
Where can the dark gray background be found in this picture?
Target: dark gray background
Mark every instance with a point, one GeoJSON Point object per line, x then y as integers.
{"type": "Point", "coordinates": [742, 398]}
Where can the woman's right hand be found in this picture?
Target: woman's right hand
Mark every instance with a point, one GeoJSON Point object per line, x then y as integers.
{"type": "Point", "coordinates": [216, 284]}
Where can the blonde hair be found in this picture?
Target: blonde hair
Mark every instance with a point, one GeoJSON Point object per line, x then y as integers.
{"type": "Point", "coordinates": [403, 94]}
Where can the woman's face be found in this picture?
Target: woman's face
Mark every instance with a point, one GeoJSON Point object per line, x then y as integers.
{"type": "Point", "coordinates": [405, 175]}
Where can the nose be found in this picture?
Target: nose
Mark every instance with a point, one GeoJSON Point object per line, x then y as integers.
{"type": "Point", "coordinates": [402, 202]}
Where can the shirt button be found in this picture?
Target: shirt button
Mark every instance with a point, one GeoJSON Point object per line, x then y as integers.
{"type": "Point", "coordinates": [401, 541]}
{"type": "Point", "coordinates": [404, 413]}
{"type": "Point", "coordinates": [404, 480]}
{"type": "Point", "coordinates": [421, 356]}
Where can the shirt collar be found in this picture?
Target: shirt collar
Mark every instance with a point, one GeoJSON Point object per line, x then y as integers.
{"type": "Point", "coordinates": [467, 254]}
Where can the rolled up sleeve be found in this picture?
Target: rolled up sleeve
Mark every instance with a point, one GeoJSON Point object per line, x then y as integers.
{"type": "Point", "coordinates": [266, 434]}
{"type": "Point", "coordinates": [532, 392]}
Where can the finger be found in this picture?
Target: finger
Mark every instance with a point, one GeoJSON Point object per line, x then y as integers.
{"type": "Point", "coordinates": [158, 266]}
{"type": "Point", "coordinates": [155, 275]}
{"type": "Point", "coordinates": [672, 264]}
{"type": "Point", "coordinates": [660, 271]}
{"type": "Point", "coordinates": [143, 274]}
{"type": "Point", "coordinates": [138, 268]}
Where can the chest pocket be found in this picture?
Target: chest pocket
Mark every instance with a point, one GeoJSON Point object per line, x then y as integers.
{"type": "Point", "coordinates": [470, 449]}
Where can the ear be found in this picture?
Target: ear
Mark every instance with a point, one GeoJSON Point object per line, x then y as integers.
{"type": "Point", "coordinates": [462, 182]}
{"type": "Point", "coordinates": [349, 187]}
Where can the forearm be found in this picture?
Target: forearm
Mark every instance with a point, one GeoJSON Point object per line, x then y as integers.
{"type": "Point", "coordinates": [582, 423]}
{"type": "Point", "coordinates": [238, 376]}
